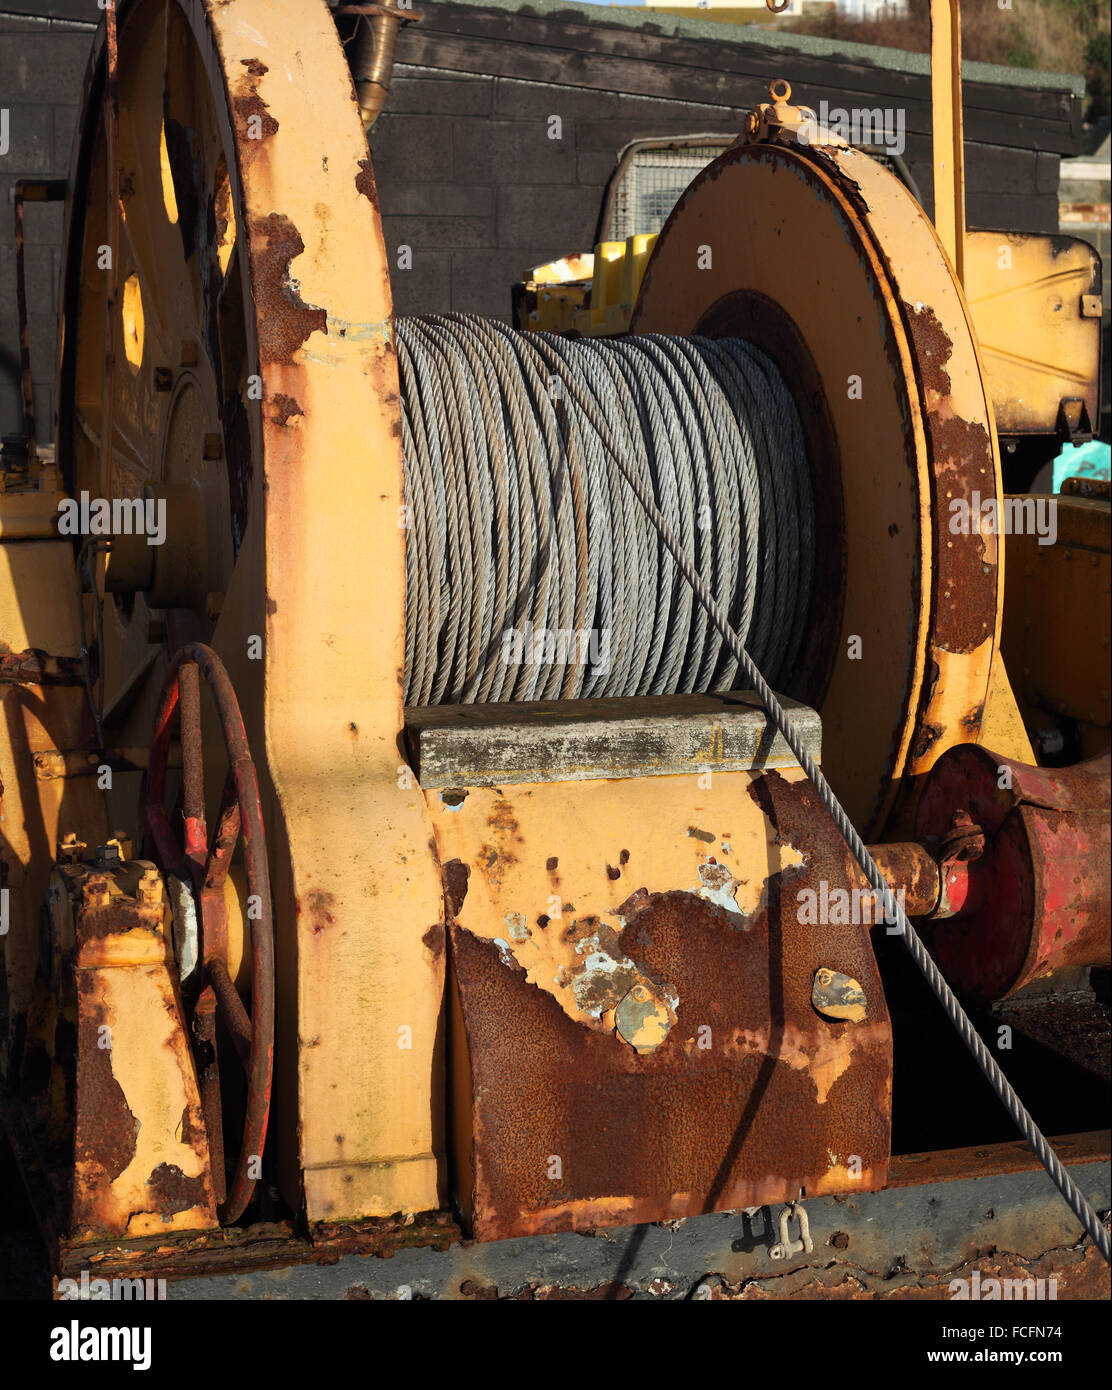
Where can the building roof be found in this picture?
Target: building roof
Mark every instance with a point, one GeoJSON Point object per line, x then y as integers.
{"type": "Point", "coordinates": [779, 40]}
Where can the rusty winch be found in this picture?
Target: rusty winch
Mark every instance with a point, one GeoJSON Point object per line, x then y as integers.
{"type": "Point", "coordinates": [399, 754]}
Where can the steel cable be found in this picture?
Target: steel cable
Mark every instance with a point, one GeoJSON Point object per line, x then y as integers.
{"type": "Point", "coordinates": [531, 571]}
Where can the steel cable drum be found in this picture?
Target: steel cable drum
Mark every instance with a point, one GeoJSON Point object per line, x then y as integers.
{"type": "Point", "coordinates": [531, 571]}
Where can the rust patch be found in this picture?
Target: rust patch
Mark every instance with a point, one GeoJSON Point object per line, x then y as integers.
{"type": "Point", "coordinates": [320, 905]}
{"type": "Point", "coordinates": [365, 182]}
{"type": "Point", "coordinates": [934, 348]}
{"type": "Point", "coordinates": [107, 1132]}
{"type": "Point", "coordinates": [1076, 1275]}
{"type": "Point", "coordinates": [254, 123]}
{"type": "Point", "coordinates": [697, 1123]}
{"type": "Point", "coordinates": [190, 1133]}
{"type": "Point", "coordinates": [172, 1191]}
{"type": "Point", "coordinates": [434, 940]}
{"type": "Point", "coordinates": [506, 833]}
{"type": "Point", "coordinates": [284, 320]}
{"type": "Point", "coordinates": [552, 864]}
{"type": "Point", "coordinates": [502, 818]}
{"type": "Point", "coordinates": [965, 580]}
{"type": "Point", "coordinates": [284, 408]}
{"type": "Point", "coordinates": [926, 736]}
{"type": "Point", "coordinates": [36, 667]}
{"type": "Point", "coordinates": [455, 874]}
{"type": "Point", "coordinates": [254, 67]}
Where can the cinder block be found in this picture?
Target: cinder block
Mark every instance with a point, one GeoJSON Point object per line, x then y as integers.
{"type": "Point", "coordinates": [42, 393]}
{"type": "Point", "coordinates": [507, 152]}
{"type": "Point", "coordinates": [435, 199]}
{"type": "Point", "coordinates": [447, 233]}
{"type": "Point", "coordinates": [412, 149]}
{"type": "Point", "coordinates": [481, 280]}
{"type": "Point", "coordinates": [65, 129]}
{"type": "Point", "coordinates": [1048, 172]}
{"type": "Point", "coordinates": [594, 167]}
{"type": "Point", "coordinates": [30, 141]}
{"type": "Point", "coordinates": [11, 402]}
{"type": "Point", "coordinates": [38, 266]}
{"type": "Point", "coordinates": [39, 67]}
{"type": "Point", "coordinates": [426, 287]}
{"type": "Point", "coordinates": [85, 11]}
{"type": "Point", "coordinates": [556, 217]}
{"type": "Point", "coordinates": [688, 117]}
{"type": "Point", "coordinates": [43, 329]}
{"type": "Point", "coordinates": [440, 96]}
{"type": "Point", "coordinates": [1013, 214]}
{"type": "Point", "coordinates": [999, 169]}
{"type": "Point", "coordinates": [611, 136]}
{"type": "Point", "coordinates": [526, 100]}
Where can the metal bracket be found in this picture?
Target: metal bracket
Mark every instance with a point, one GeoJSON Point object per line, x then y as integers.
{"type": "Point", "coordinates": [1073, 423]}
{"type": "Point", "coordinates": [786, 1246]}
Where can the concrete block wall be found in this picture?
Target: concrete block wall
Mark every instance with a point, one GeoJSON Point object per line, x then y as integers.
{"type": "Point", "coordinates": [43, 57]}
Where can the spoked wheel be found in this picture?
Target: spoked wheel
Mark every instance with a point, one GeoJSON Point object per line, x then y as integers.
{"type": "Point", "coordinates": [154, 387]}
{"type": "Point", "coordinates": [201, 861]}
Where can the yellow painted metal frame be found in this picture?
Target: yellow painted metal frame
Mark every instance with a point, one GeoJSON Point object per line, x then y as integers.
{"type": "Point", "coordinates": [946, 131]}
{"type": "Point", "coordinates": [357, 887]}
{"type": "Point", "coordinates": [315, 652]}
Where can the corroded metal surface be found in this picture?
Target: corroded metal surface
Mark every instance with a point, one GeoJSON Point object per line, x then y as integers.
{"type": "Point", "coordinates": [39, 668]}
{"type": "Point", "coordinates": [965, 565]}
{"type": "Point", "coordinates": [139, 1160]}
{"type": "Point", "coordinates": [909, 867]}
{"type": "Point", "coordinates": [1037, 899]}
{"type": "Point", "coordinates": [280, 367]}
{"type": "Point", "coordinates": [205, 864]}
{"type": "Point", "coordinates": [970, 1201]}
{"type": "Point", "coordinates": [749, 1097]}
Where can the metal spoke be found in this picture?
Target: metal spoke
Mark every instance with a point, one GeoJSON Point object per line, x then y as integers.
{"type": "Point", "coordinates": [227, 833]}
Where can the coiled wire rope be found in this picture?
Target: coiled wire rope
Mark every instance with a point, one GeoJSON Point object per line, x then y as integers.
{"type": "Point", "coordinates": [516, 521]}
{"type": "Point", "coordinates": [533, 574]}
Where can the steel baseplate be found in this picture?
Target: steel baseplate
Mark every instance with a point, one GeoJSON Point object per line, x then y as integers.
{"type": "Point", "coordinates": [960, 1214]}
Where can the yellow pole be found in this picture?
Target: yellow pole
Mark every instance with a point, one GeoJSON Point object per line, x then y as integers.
{"type": "Point", "coordinates": [946, 131]}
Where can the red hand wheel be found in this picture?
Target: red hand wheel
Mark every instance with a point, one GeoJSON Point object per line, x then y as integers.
{"type": "Point", "coordinates": [203, 864]}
